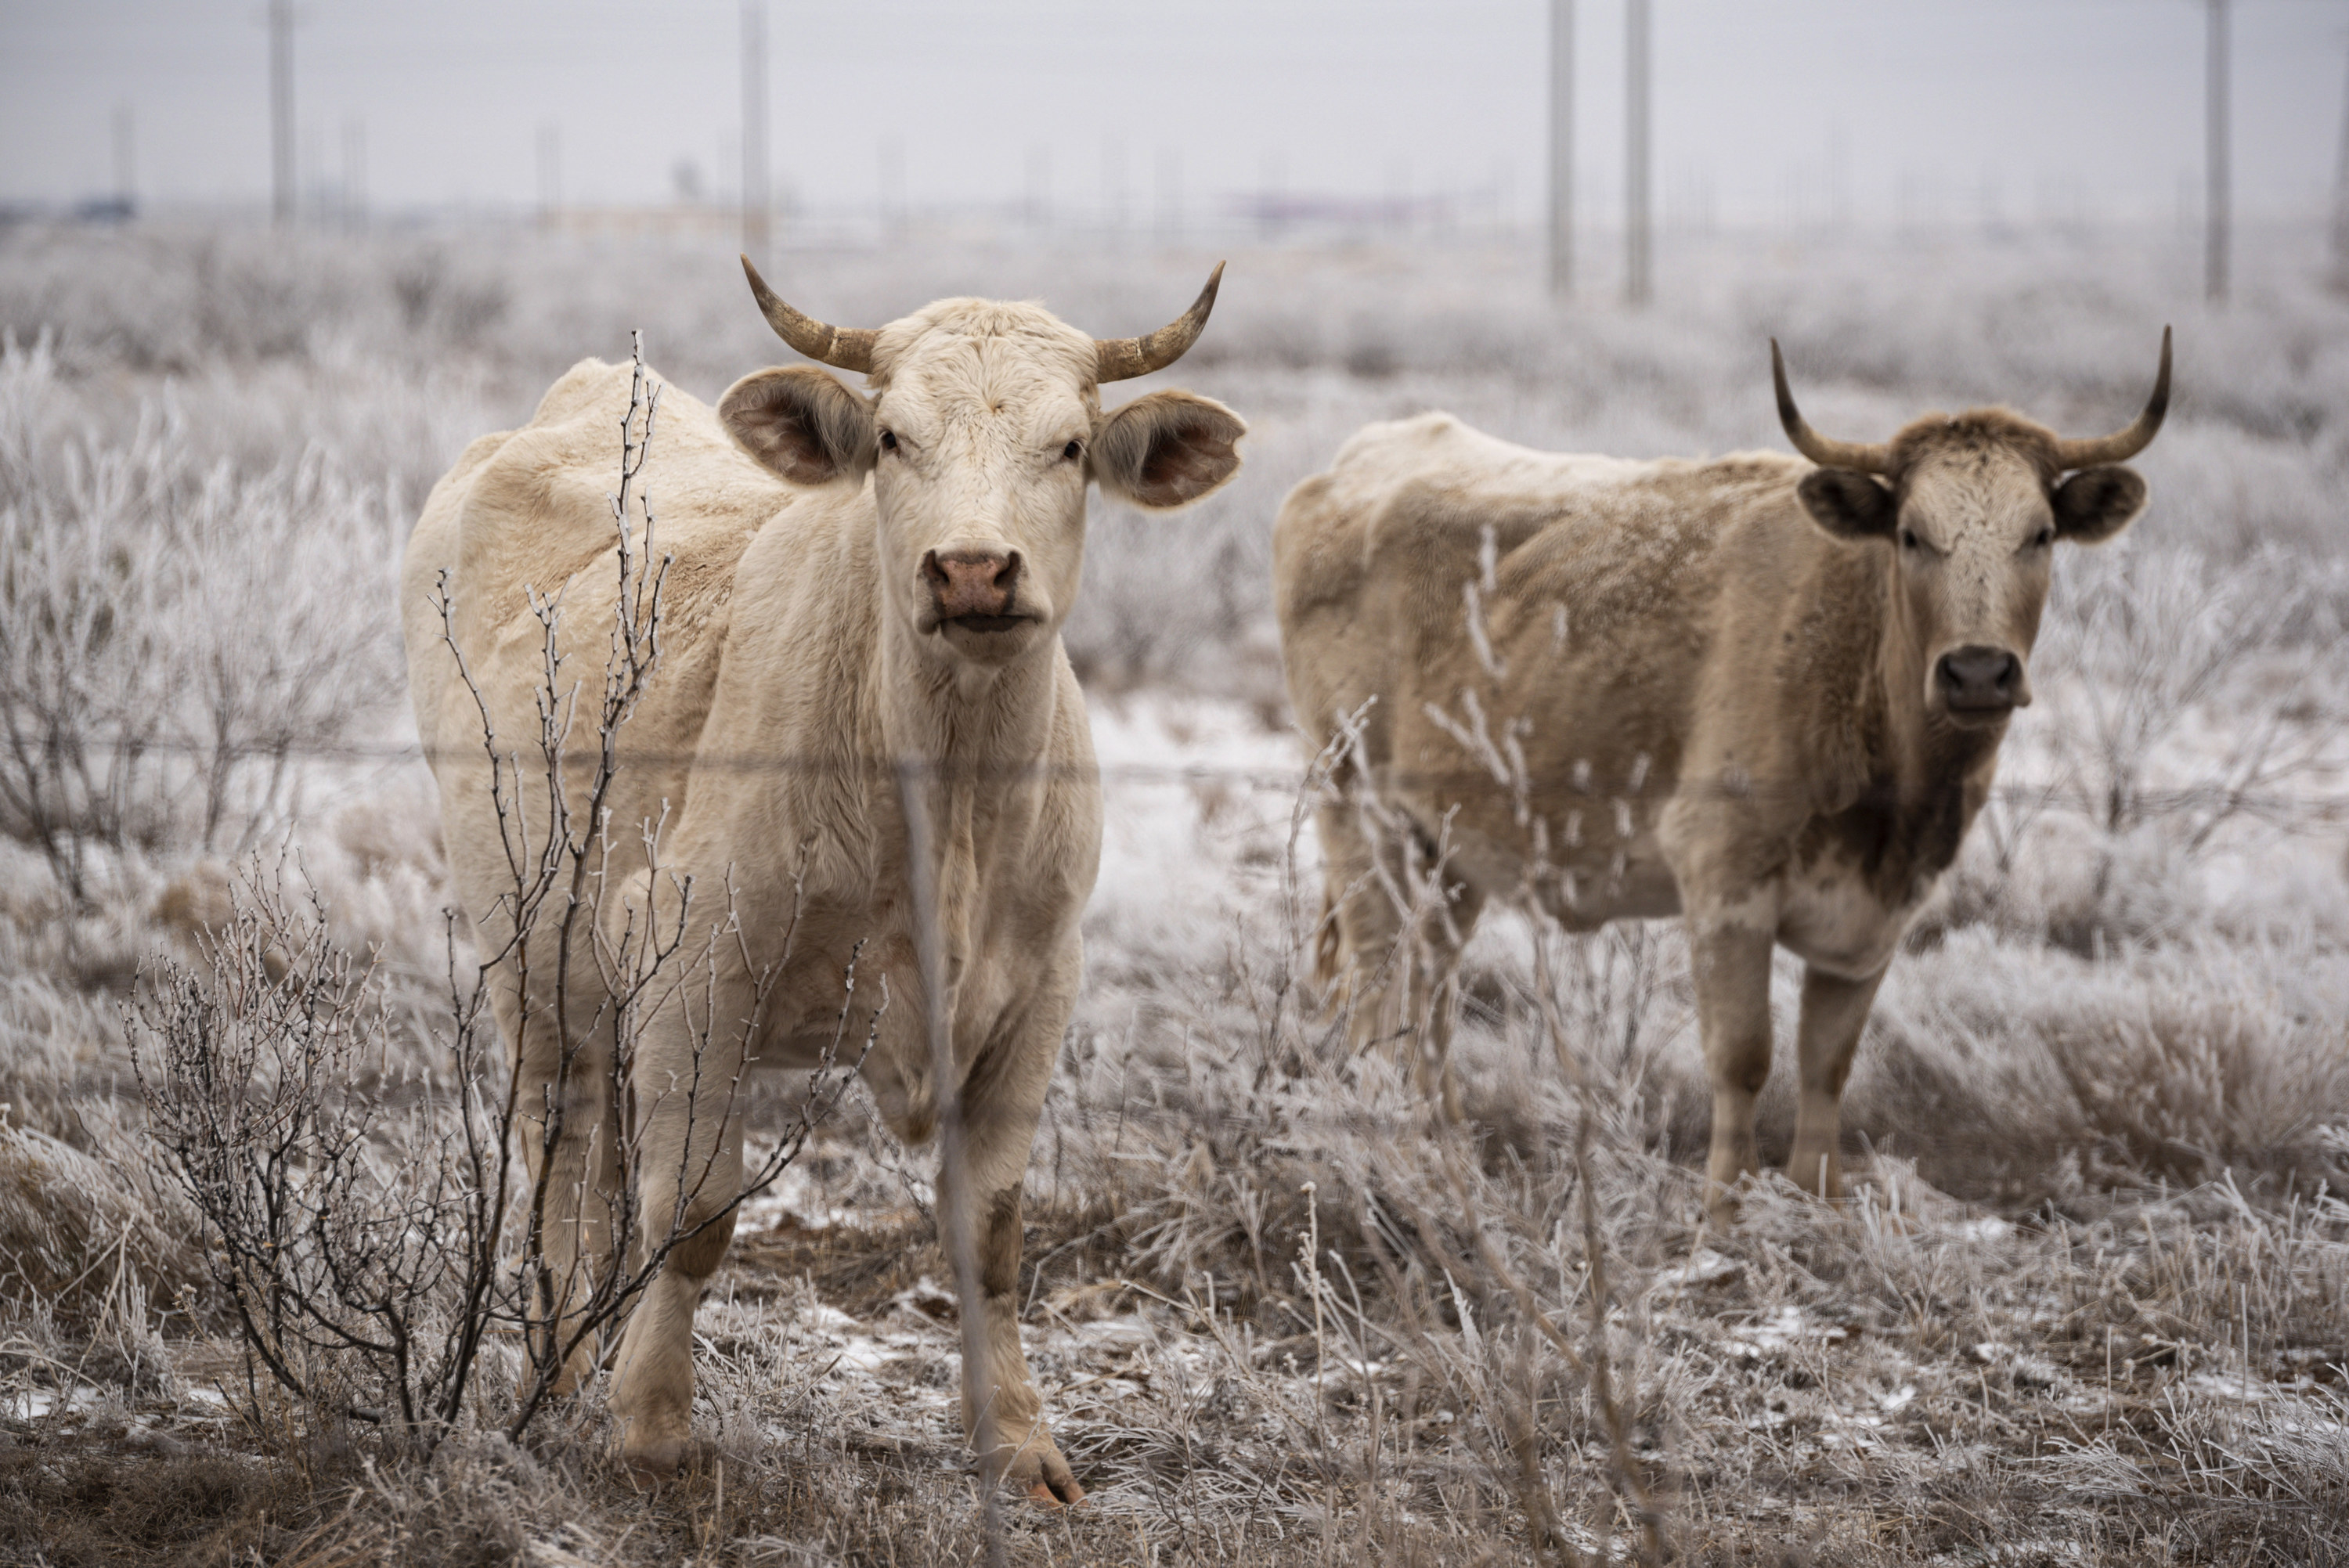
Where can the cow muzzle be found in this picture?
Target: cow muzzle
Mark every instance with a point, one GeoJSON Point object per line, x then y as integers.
{"type": "Point", "coordinates": [974, 590]}
{"type": "Point", "coordinates": [1979, 684]}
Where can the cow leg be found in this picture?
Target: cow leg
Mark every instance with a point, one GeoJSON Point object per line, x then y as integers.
{"type": "Point", "coordinates": [1398, 979]}
{"type": "Point", "coordinates": [1835, 1010]}
{"type": "Point", "coordinates": [689, 1174]}
{"type": "Point", "coordinates": [1443, 935]}
{"type": "Point", "coordinates": [1731, 960]}
{"type": "Point", "coordinates": [578, 1169]}
{"type": "Point", "coordinates": [1001, 1412]}
{"type": "Point", "coordinates": [1356, 952]}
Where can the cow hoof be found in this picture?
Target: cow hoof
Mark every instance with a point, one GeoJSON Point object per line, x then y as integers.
{"type": "Point", "coordinates": [655, 1463]}
{"type": "Point", "coordinates": [1054, 1496]}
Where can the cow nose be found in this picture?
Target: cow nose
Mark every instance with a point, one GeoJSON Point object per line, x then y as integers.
{"type": "Point", "coordinates": [1979, 680]}
{"type": "Point", "coordinates": [971, 582]}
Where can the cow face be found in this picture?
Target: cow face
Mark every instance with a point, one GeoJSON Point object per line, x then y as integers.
{"type": "Point", "coordinates": [981, 432]}
{"type": "Point", "coordinates": [1971, 508]}
{"type": "Point", "coordinates": [1972, 529]}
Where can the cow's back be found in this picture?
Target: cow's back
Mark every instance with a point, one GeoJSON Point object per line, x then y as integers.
{"type": "Point", "coordinates": [1603, 593]}
{"type": "Point", "coordinates": [1372, 559]}
{"type": "Point", "coordinates": [529, 510]}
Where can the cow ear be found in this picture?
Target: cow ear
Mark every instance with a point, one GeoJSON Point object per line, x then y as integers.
{"type": "Point", "coordinates": [2095, 504]}
{"type": "Point", "coordinates": [1848, 504]}
{"type": "Point", "coordinates": [801, 423]}
{"type": "Point", "coordinates": [1167, 449]}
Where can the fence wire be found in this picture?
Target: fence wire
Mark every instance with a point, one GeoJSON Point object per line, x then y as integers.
{"type": "Point", "coordinates": [2277, 807]}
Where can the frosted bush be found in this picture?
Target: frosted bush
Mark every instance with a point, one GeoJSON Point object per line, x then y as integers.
{"type": "Point", "coordinates": [176, 636]}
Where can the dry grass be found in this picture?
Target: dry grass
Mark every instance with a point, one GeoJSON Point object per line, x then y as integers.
{"type": "Point", "coordinates": [2089, 1306]}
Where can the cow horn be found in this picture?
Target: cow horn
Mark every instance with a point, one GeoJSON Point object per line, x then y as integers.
{"type": "Point", "coordinates": [2121, 447]}
{"type": "Point", "coordinates": [847, 347]}
{"type": "Point", "coordinates": [1828, 454]}
{"type": "Point", "coordinates": [1123, 358]}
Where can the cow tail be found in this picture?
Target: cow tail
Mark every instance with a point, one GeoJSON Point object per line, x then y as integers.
{"type": "Point", "coordinates": [1327, 946]}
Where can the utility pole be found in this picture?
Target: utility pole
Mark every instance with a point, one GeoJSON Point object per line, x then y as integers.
{"type": "Point", "coordinates": [550, 174]}
{"type": "Point", "coordinates": [2218, 211]}
{"type": "Point", "coordinates": [1113, 191]}
{"type": "Point", "coordinates": [755, 198]}
{"type": "Point", "coordinates": [2340, 203]}
{"type": "Point", "coordinates": [125, 145]}
{"type": "Point", "coordinates": [1639, 282]}
{"type": "Point", "coordinates": [1039, 187]}
{"type": "Point", "coordinates": [354, 197]}
{"type": "Point", "coordinates": [1561, 149]}
{"type": "Point", "coordinates": [280, 111]}
{"type": "Point", "coordinates": [1170, 198]}
{"type": "Point", "coordinates": [893, 188]}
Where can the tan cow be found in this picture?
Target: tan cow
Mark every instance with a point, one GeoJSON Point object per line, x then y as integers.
{"type": "Point", "coordinates": [1764, 695]}
{"type": "Point", "coordinates": [863, 584]}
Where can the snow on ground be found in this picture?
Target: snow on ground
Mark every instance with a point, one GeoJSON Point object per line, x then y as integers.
{"type": "Point", "coordinates": [1200, 812]}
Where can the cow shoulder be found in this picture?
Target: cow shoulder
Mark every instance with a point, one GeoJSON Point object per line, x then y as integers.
{"type": "Point", "coordinates": [797, 684]}
{"type": "Point", "coordinates": [539, 510]}
{"type": "Point", "coordinates": [431, 555]}
{"type": "Point", "coordinates": [1790, 703]}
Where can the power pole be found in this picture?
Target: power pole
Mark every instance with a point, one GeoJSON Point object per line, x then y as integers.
{"type": "Point", "coordinates": [1639, 282]}
{"type": "Point", "coordinates": [755, 199]}
{"type": "Point", "coordinates": [1561, 149]}
{"type": "Point", "coordinates": [281, 110]}
{"type": "Point", "coordinates": [893, 188]}
{"type": "Point", "coordinates": [1170, 198]}
{"type": "Point", "coordinates": [1039, 187]}
{"type": "Point", "coordinates": [1113, 191]}
{"type": "Point", "coordinates": [2340, 203]}
{"type": "Point", "coordinates": [2218, 212]}
{"type": "Point", "coordinates": [354, 197]}
{"type": "Point", "coordinates": [550, 174]}
{"type": "Point", "coordinates": [124, 146]}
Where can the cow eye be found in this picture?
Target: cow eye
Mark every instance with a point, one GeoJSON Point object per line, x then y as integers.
{"type": "Point", "coordinates": [888, 441]}
{"type": "Point", "coordinates": [1073, 450]}
{"type": "Point", "coordinates": [1908, 539]}
{"type": "Point", "coordinates": [2045, 537]}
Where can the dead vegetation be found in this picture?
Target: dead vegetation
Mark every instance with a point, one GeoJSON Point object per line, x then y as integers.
{"type": "Point", "coordinates": [2089, 1306]}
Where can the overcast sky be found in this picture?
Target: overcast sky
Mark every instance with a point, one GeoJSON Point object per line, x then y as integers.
{"type": "Point", "coordinates": [1763, 108]}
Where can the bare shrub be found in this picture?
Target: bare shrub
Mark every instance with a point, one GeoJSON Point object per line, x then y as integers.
{"type": "Point", "coordinates": [78, 1233]}
{"type": "Point", "coordinates": [140, 710]}
{"type": "Point", "coordinates": [385, 1254]}
{"type": "Point", "coordinates": [2014, 1345]}
{"type": "Point", "coordinates": [2142, 641]}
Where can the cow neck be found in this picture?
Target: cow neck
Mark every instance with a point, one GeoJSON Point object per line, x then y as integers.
{"type": "Point", "coordinates": [984, 724]}
{"type": "Point", "coordinates": [1920, 763]}
{"type": "Point", "coordinates": [962, 737]}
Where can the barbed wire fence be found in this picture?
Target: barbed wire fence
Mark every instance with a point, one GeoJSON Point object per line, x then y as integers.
{"type": "Point", "coordinates": [2281, 807]}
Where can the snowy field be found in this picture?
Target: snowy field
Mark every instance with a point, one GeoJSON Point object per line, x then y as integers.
{"type": "Point", "coordinates": [2090, 1303]}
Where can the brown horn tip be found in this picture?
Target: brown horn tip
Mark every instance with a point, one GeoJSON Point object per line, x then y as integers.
{"type": "Point", "coordinates": [1789, 417]}
{"type": "Point", "coordinates": [1123, 358]}
{"type": "Point", "coordinates": [844, 348]}
{"type": "Point", "coordinates": [2122, 445]}
{"type": "Point", "coordinates": [1827, 453]}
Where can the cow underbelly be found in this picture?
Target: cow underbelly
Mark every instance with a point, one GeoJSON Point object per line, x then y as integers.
{"type": "Point", "coordinates": [1594, 886]}
{"type": "Point", "coordinates": [1590, 897]}
{"type": "Point", "coordinates": [818, 1018]}
{"type": "Point", "coordinates": [1830, 920]}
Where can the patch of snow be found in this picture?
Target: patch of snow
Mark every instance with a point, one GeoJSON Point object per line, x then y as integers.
{"type": "Point", "coordinates": [33, 1404]}
{"type": "Point", "coordinates": [1779, 1330]}
{"type": "Point", "coordinates": [1707, 1267]}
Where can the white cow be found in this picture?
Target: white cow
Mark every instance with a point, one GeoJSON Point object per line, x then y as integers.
{"type": "Point", "coordinates": [864, 582]}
